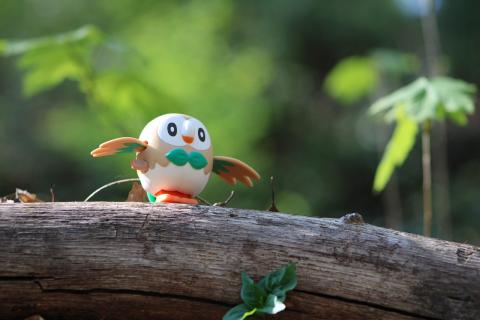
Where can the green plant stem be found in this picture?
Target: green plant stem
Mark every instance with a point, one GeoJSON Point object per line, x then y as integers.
{"type": "Point", "coordinates": [431, 37]}
{"type": "Point", "coordinates": [427, 179]}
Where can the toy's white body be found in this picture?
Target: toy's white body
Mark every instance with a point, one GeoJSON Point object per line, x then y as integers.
{"type": "Point", "coordinates": [184, 179]}
{"type": "Point", "coordinates": [170, 177]}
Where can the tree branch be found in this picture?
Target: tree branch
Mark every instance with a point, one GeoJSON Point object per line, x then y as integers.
{"type": "Point", "coordinates": [135, 260]}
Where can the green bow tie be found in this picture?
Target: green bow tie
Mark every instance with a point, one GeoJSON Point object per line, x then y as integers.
{"type": "Point", "coordinates": [181, 157]}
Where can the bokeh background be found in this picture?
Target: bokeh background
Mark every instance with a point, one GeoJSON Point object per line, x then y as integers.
{"type": "Point", "coordinates": [259, 74]}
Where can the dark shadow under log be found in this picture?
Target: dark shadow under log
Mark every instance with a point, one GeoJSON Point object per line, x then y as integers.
{"type": "Point", "coordinates": [150, 261]}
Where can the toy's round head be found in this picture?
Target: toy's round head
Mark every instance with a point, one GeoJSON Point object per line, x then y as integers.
{"type": "Point", "coordinates": [178, 130]}
{"type": "Point", "coordinates": [182, 148]}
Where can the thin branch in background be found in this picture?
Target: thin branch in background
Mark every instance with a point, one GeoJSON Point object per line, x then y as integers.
{"type": "Point", "coordinates": [52, 194]}
{"type": "Point", "coordinates": [427, 180]}
{"type": "Point", "coordinates": [273, 207]}
{"type": "Point", "coordinates": [224, 203]}
{"type": "Point", "coordinates": [203, 200]}
{"type": "Point", "coordinates": [109, 185]}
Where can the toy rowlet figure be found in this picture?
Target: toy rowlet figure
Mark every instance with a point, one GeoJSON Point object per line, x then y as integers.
{"type": "Point", "coordinates": [175, 159]}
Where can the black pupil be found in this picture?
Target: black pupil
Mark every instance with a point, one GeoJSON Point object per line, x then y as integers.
{"type": "Point", "coordinates": [172, 129]}
{"type": "Point", "coordinates": [201, 134]}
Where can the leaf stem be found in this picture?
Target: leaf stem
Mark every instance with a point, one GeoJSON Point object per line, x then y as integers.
{"type": "Point", "coordinates": [427, 179]}
{"type": "Point", "coordinates": [226, 201]}
{"type": "Point", "coordinates": [108, 185]}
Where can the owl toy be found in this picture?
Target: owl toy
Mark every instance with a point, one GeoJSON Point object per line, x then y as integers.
{"type": "Point", "coordinates": [174, 159]}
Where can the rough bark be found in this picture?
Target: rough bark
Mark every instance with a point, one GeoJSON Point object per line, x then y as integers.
{"type": "Point", "coordinates": [152, 261]}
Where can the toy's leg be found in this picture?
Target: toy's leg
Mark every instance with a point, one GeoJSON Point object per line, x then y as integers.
{"type": "Point", "coordinates": [151, 197]}
{"type": "Point", "coordinates": [175, 197]}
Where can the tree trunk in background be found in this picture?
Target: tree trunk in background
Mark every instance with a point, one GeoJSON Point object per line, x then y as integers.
{"type": "Point", "coordinates": [391, 199]}
{"type": "Point", "coordinates": [393, 204]}
{"type": "Point", "coordinates": [439, 146]}
{"type": "Point", "coordinates": [151, 261]}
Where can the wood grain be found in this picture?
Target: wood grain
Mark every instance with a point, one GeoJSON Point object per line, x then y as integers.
{"type": "Point", "coordinates": [152, 261]}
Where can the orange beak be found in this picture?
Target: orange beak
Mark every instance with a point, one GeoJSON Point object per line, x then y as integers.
{"type": "Point", "coordinates": [187, 139]}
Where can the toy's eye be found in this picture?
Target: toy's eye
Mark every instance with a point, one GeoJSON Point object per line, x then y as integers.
{"type": "Point", "coordinates": [202, 138]}
{"type": "Point", "coordinates": [172, 129]}
{"type": "Point", "coordinates": [201, 134]}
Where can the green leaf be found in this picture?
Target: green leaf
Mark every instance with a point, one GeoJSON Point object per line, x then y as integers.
{"type": "Point", "coordinates": [447, 86]}
{"type": "Point", "coordinates": [238, 312]}
{"type": "Point", "coordinates": [272, 305]}
{"type": "Point", "coordinates": [84, 35]}
{"type": "Point", "coordinates": [456, 95]}
{"type": "Point", "coordinates": [397, 150]}
{"type": "Point", "coordinates": [428, 100]}
{"type": "Point", "coordinates": [458, 117]}
{"type": "Point", "coordinates": [266, 297]}
{"type": "Point", "coordinates": [426, 105]}
{"type": "Point", "coordinates": [352, 79]}
{"type": "Point", "coordinates": [47, 68]}
{"type": "Point", "coordinates": [280, 281]}
{"type": "Point", "coordinates": [252, 295]}
{"type": "Point", "coordinates": [404, 96]}
{"type": "Point", "coordinates": [47, 61]}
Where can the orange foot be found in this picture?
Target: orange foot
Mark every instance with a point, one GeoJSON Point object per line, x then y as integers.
{"type": "Point", "coordinates": [175, 197]}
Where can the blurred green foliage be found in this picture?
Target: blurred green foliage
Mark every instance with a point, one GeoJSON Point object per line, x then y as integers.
{"type": "Point", "coordinates": [252, 71]}
{"type": "Point", "coordinates": [351, 79]}
{"type": "Point", "coordinates": [354, 78]}
{"type": "Point", "coordinates": [414, 105]}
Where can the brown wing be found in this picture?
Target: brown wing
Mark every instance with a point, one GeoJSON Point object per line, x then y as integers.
{"type": "Point", "coordinates": [231, 170]}
{"type": "Point", "coordinates": [119, 145]}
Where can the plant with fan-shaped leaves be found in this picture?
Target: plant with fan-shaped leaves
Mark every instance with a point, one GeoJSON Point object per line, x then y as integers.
{"type": "Point", "coordinates": [419, 104]}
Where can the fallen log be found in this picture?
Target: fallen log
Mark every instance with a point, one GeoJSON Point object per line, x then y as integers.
{"type": "Point", "coordinates": [151, 261]}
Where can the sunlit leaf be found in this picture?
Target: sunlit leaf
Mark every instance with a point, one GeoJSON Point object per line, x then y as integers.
{"type": "Point", "coordinates": [84, 35]}
{"type": "Point", "coordinates": [352, 79]}
{"type": "Point", "coordinates": [404, 96]}
{"type": "Point", "coordinates": [47, 61]}
{"type": "Point", "coordinates": [47, 68]}
{"type": "Point", "coordinates": [455, 94]}
{"type": "Point", "coordinates": [427, 105]}
{"type": "Point", "coordinates": [429, 100]}
{"type": "Point", "coordinates": [397, 150]}
{"type": "Point", "coordinates": [447, 86]}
